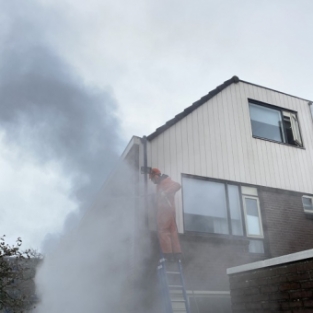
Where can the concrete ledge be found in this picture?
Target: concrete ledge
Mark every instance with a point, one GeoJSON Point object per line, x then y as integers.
{"type": "Point", "coordinates": [307, 254]}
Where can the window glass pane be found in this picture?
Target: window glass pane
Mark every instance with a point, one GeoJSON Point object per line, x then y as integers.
{"type": "Point", "coordinates": [235, 209]}
{"type": "Point", "coordinates": [295, 130]}
{"type": "Point", "coordinates": [292, 129]}
{"type": "Point", "coordinates": [288, 128]}
{"type": "Point", "coordinates": [252, 191]}
{"type": "Point", "coordinates": [204, 206]}
{"type": "Point", "coordinates": [266, 122]}
{"type": "Point", "coordinates": [253, 219]}
{"type": "Point", "coordinates": [256, 246]}
{"type": "Point", "coordinates": [307, 203]}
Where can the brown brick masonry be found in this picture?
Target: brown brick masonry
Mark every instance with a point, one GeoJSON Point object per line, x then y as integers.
{"type": "Point", "coordinates": [282, 288]}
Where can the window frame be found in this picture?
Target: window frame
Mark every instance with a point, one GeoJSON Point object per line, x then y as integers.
{"type": "Point", "coordinates": [202, 178]}
{"type": "Point", "coordinates": [307, 211]}
{"type": "Point", "coordinates": [242, 212]}
{"type": "Point", "coordinates": [244, 190]}
{"type": "Point", "coordinates": [244, 196]}
{"type": "Point", "coordinates": [295, 125]}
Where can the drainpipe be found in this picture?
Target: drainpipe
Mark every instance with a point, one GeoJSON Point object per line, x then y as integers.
{"type": "Point", "coordinates": [311, 109]}
{"type": "Point", "coordinates": [145, 164]}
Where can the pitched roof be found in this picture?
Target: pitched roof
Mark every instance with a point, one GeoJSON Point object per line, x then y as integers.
{"type": "Point", "coordinates": [210, 95]}
{"type": "Point", "coordinates": [193, 107]}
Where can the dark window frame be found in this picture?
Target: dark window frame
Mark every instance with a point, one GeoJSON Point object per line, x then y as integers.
{"type": "Point", "coordinates": [227, 205]}
{"type": "Point", "coordinates": [230, 235]}
{"type": "Point", "coordinates": [281, 110]}
{"type": "Point", "coordinates": [225, 182]}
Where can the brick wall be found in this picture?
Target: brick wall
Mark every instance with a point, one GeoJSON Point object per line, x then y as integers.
{"type": "Point", "coordinates": [285, 287]}
{"type": "Point", "coordinates": [207, 256]}
{"type": "Point", "coordinates": [287, 228]}
{"type": "Point", "coordinates": [205, 260]}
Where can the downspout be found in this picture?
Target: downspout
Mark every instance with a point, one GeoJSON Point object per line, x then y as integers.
{"type": "Point", "coordinates": [145, 164]}
{"type": "Point", "coordinates": [311, 109]}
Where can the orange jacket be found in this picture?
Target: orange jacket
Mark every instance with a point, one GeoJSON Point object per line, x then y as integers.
{"type": "Point", "coordinates": [166, 190]}
{"type": "Point", "coordinates": [167, 228]}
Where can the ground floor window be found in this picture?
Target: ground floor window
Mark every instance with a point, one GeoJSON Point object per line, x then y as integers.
{"type": "Point", "coordinates": [307, 202]}
{"type": "Point", "coordinates": [220, 207]}
{"type": "Point", "coordinates": [210, 302]}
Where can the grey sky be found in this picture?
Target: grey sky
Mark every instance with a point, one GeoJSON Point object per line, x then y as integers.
{"type": "Point", "coordinates": [76, 74]}
{"type": "Point", "coordinates": [159, 56]}
{"type": "Point", "coordinates": [49, 115]}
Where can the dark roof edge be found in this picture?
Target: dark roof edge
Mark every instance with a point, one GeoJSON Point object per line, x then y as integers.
{"type": "Point", "coordinates": [194, 106]}
{"type": "Point", "coordinates": [210, 95]}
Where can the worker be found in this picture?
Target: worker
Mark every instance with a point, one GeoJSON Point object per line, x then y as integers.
{"type": "Point", "coordinates": [166, 220]}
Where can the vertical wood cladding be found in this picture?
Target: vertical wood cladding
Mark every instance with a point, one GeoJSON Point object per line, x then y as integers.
{"type": "Point", "coordinates": [287, 228]}
{"type": "Point", "coordinates": [282, 288]}
{"type": "Point", "coordinates": [215, 140]}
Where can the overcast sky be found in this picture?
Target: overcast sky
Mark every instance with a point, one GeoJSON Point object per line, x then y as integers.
{"type": "Point", "coordinates": [79, 78]}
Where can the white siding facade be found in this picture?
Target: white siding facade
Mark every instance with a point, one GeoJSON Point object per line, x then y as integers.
{"type": "Point", "coordinates": [216, 141]}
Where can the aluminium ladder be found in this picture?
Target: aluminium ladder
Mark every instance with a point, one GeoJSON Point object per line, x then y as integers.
{"type": "Point", "coordinates": [173, 287]}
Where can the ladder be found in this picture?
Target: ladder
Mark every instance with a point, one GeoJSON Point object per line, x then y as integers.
{"type": "Point", "coordinates": [172, 286]}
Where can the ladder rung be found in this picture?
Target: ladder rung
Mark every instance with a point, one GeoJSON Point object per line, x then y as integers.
{"type": "Point", "coordinates": [175, 286]}
{"type": "Point", "coordinates": [174, 292]}
{"type": "Point", "coordinates": [181, 298]}
{"type": "Point", "coordinates": [172, 300]}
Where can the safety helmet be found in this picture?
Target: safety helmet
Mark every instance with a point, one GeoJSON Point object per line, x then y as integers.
{"type": "Point", "coordinates": [154, 172]}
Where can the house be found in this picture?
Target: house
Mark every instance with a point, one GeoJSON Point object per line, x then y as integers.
{"type": "Point", "coordinates": [244, 157]}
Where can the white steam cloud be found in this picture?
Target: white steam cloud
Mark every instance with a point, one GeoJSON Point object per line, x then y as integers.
{"type": "Point", "coordinates": [47, 111]}
{"type": "Point", "coordinates": [95, 268]}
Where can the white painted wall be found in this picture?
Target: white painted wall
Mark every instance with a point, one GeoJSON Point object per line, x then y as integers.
{"type": "Point", "coordinates": [216, 141]}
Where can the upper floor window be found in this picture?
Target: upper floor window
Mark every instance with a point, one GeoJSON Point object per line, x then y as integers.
{"type": "Point", "coordinates": [274, 124]}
